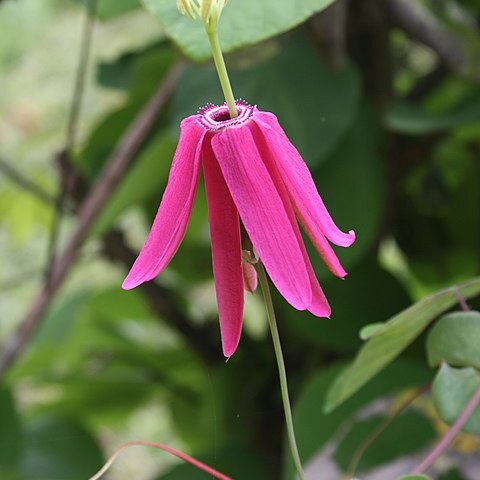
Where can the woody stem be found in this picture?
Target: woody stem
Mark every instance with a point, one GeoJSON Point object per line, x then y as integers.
{"type": "Point", "coordinates": [262, 279]}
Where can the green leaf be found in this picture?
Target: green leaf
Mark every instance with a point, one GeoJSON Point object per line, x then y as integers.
{"type": "Point", "coordinates": [316, 118]}
{"type": "Point", "coordinates": [10, 436]}
{"type": "Point", "coordinates": [243, 23]}
{"type": "Point", "coordinates": [455, 339]}
{"type": "Point", "coordinates": [315, 428]}
{"type": "Point", "coordinates": [408, 119]}
{"type": "Point", "coordinates": [408, 434]}
{"type": "Point", "coordinates": [451, 390]}
{"type": "Point", "coordinates": [372, 330]}
{"type": "Point", "coordinates": [400, 332]}
{"type": "Point", "coordinates": [58, 449]}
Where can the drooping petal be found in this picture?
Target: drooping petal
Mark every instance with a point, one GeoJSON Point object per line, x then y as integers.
{"type": "Point", "coordinates": [319, 305]}
{"type": "Point", "coordinates": [308, 204]}
{"type": "Point", "coordinates": [226, 252]}
{"type": "Point", "coordinates": [263, 214]}
{"type": "Point", "coordinates": [172, 218]}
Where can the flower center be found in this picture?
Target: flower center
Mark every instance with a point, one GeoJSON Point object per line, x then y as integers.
{"type": "Point", "coordinates": [216, 118]}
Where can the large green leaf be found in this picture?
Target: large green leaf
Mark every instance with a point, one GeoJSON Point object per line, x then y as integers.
{"type": "Point", "coordinates": [400, 332]}
{"type": "Point", "coordinates": [316, 117]}
{"type": "Point", "coordinates": [107, 9]}
{"type": "Point", "coordinates": [452, 389]}
{"type": "Point", "coordinates": [244, 22]}
{"type": "Point", "coordinates": [10, 436]}
{"type": "Point", "coordinates": [315, 428]}
{"type": "Point", "coordinates": [455, 339]}
{"type": "Point", "coordinates": [57, 449]}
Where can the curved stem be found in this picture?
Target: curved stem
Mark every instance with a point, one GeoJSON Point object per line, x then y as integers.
{"type": "Point", "coordinates": [451, 434]}
{"type": "Point", "coordinates": [165, 448]}
{"type": "Point", "coordinates": [263, 281]}
{"type": "Point", "coordinates": [222, 72]}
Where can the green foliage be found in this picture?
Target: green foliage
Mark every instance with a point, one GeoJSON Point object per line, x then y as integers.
{"type": "Point", "coordinates": [400, 332]}
{"type": "Point", "coordinates": [10, 436]}
{"type": "Point", "coordinates": [243, 23]}
{"type": "Point", "coordinates": [452, 389]}
{"type": "Point", "coordinates": [56, 449]}
{"type": "Point", "coordinates": [454, 339]}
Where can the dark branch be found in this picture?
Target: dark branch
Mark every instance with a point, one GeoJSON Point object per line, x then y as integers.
{"type": "Point", "coordinates": [416, 20]}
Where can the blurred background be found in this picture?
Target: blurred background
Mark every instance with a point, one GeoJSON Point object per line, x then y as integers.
{"type": "Point", "coordinates": [382, 100]}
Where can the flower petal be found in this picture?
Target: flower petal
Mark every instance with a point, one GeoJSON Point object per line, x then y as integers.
{"type": "Point", "coordinates": [319, 305]}
{"type": "Point", "coordinates": [309, 206]}
{"type": "Point", "coordinates": [175, 208]}
{"type": "Point", "coordinates": [226, 252]}
{"type": "Point", "coordinates": [263, 214]}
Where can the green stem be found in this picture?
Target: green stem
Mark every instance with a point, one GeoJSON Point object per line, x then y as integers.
{"type": "Point", "coordinates": [262, 278]}
{"type": "Point", "coordinates": [222, 71]}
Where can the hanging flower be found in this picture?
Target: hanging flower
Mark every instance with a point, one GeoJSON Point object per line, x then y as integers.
{"type": "Point", "coordinates": [253, 174]}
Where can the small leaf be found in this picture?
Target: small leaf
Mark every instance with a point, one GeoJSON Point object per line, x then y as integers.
{"type": "Point", "coordinates": [372, 330]}
{"type": "Point", "coordinates": [451, 390]}
{"type": "Point", "coordinates": [400, 331]}
{"type": "Point", "coordinates": [244, 22]}
{"type": "Point", "coordinates": [455, 339]}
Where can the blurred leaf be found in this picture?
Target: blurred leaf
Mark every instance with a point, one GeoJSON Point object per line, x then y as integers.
{"type": "Point", "coordinates": [455, 339]}
{"type": "Point", "coordinates": [145, 180]}
{"type": "Point", "coordinates": [315, 428]}
{"type": "Point", "coordinates": [364, 305]}
{"type": "Point", "coordinates": [358, 157]}
{"type": "Point", "coordinates": [243, 23]}
{"type": "Point", "coordinates": [408, 119]}
{"type": "Point", "coordinates": [108, 9]}
{"type": "Point", "coordinates": [452, 389]}
{"type": "Point", "coordinates": [400, 332]}
{"type": "Point", "coordinates": [316, 118]}
{"type": "Point", "coordinates": [58, 449]}
{"type": "Point", "coordinates": [372, 330]}
{"type": "Point", "coordinates": [10, 436]}
{"type": "Point", "coordinates": [234, 462]}
{"type": "Point", "coordinates": [407, 434]}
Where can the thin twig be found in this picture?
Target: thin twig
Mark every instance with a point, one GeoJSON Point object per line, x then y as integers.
{"type": "Point", "coordinates": [377, 432]}
{"type": "Point", "coordinates": [451, 434]}
{"type": "Point", "coordinates": [25, 183]}
{"type": "Point", "coordinates": [416, 20]}
{"type": "Point", "coordinates": [72, 129]}
{"type": "Point", "coordinates": [88, 212]}
{"type": "Point", "coordinates": [165, 448]}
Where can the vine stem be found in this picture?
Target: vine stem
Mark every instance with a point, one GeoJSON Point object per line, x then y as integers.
{"type": "Point", "coordinates": [451, 434]}
{"type": "Point", "coordinates": [165, 448]}
{"type": "Point", "coordinates": [263, 281]}
{"type": "Point", "coordinates": [222, 71]}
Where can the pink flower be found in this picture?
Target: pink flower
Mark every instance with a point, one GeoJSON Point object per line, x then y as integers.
{"type": "Point", "coordinates": [253, 174]}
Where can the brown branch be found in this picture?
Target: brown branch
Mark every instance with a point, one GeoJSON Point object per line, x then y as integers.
{"type": "Point", "coordinates": [418, 22]}
{"type": "Point", "coordinates": [116, 166]}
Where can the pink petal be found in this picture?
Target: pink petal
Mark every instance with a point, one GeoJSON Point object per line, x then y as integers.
{"type": "Point", "coordinates": [226, 252]}
{"type": "Point", "coordinates": [319, 305]}
{"type": "Point", "coordinates": [263, 214]}
{"type": "Point", "coordinates": [308, 204]}
{"type": "Point", "coordinates": [175, 208]}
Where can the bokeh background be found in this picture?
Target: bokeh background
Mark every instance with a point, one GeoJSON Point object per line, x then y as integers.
{"type": "Point", "coordinates": [382, 100]}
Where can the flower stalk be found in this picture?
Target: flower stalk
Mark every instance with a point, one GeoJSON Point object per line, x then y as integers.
{"type": "Point", "coordinates": [263, 281]}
